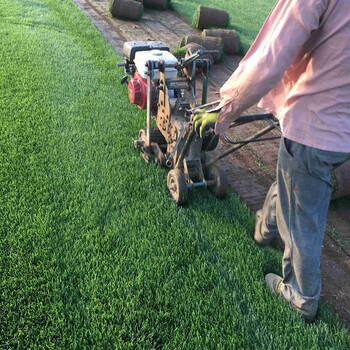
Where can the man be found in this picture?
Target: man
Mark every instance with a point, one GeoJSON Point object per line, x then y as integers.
{"type": "Point", "coordinates": [299, 66]}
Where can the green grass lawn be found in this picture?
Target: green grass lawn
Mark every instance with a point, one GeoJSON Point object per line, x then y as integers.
{"type": "Point", "coordinates": [246, 16]}
{"type": "Point", "coordinates": [93, 252]}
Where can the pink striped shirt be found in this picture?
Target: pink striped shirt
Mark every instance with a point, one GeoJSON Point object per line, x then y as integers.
{"type": "Point", "coordinates": [299, 69]}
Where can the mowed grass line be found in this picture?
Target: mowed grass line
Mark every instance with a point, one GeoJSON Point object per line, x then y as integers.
{"type": "Point", "coordinates": [246, 16]}
{"type": "Point", "coordinates": [94, 253]}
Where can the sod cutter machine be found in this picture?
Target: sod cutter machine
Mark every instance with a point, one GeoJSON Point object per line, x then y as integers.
{"type": "Point", "coordinates": [166, 88]}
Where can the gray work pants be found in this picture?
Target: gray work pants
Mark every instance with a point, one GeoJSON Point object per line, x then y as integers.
{"type": "Point", "coordinates": [296, 207]}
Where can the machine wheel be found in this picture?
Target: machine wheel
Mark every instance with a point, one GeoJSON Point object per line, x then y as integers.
{"type": "Point", "coordinates": [160, 160]}
{"type": "Point", "coordinates": [214, 172]}
{"type": "Point", "coordinates": [177, 186]}
{"type": "Point", "coordinates": [210, 142]}
{"type": "Point", "coordinates": [156, 136]}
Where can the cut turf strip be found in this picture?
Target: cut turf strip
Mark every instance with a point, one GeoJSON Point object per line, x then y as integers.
{"type": "Point", "coordinates": [94, 253]}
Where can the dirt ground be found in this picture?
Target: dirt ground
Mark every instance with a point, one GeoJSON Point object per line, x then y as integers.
{"type": "Point", "coordinates": [251, 170]}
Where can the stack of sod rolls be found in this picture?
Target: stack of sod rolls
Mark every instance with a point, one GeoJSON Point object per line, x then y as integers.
{"type": "Point", "coordinates": [157, 4]}
{"type": "Point", "coordinates": [213, 39]}
{"type": "Point", "coordinates": [228, 36]}
{"type": "Point", "coordinates": [126, 9]}
{"type": "Point", "coordinates": [192, 48]}
{"type": "Point", "coordinates": [208, 43]}
{"type": "Point", "coordinates": [207, 17]}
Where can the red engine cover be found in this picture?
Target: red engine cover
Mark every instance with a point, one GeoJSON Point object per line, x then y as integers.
{"type": "Point", "coordinates": [137, 90]}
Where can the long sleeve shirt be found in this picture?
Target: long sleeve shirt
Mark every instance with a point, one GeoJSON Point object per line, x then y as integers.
{"type": "Point", "coordinates": [299, 66]}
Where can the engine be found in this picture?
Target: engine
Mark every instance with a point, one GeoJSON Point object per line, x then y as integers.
{"type": "Point", "coordinates": [137, 90]}
{"type": "Point", "coordinates": [137, 54]}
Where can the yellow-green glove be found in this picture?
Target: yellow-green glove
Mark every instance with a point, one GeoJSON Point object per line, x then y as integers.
{"type": "Point", "coordinates": [203, 120]}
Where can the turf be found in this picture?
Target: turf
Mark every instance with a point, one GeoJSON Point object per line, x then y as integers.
{"type": "Point", "coordinates": [94, 254]}
{"type": "Point", "coordinates": [246, 16]}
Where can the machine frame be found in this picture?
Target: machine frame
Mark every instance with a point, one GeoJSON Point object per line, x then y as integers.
{"type": "Point", "coordinates": [174, 143]}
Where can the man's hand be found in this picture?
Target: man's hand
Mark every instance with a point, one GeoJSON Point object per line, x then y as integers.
{"type": "Point", "coordinates": [203, 120]}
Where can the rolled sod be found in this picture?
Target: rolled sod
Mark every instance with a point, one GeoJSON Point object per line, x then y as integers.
{"type": "Point", "coordinates": [126, 9]}
{"type": "Point", "coordinates": [341, 181]}
{"type": "Point", "coordinates": [179, 52]}
{"type": "Point", "coordinates": [228, 36]}
{"type": "Point", "coordinates": [157, 4]}
{"type": "Point", "coordinates": [209, 43]}
{"type": "Point", "coordinates": [207, 17]}
{"type": "Point", "coordinates": [182, 41]}
{"type": "Point", "coordinates": [192, 48]}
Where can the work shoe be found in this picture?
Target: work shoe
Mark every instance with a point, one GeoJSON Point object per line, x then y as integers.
{"type": "Point", "coordinates": [274, 282]}
{"type": "Point", "coordinates": [258, 238]}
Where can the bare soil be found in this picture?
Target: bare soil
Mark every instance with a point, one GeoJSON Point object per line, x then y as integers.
{"type": "Point", "coordinates": [250, 170]}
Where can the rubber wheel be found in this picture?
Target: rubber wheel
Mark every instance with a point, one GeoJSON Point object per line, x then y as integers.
{"type": "Point", "coordinates": [210, 142]}
{"type": "Point", "coordinates": [160, 161]}
{"type": "Point", "coordinates": [214, 172]}
{"type": "Point", "coordinates": [157, 137]}
{"type": "Point", "coordinates": [177, 186]}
